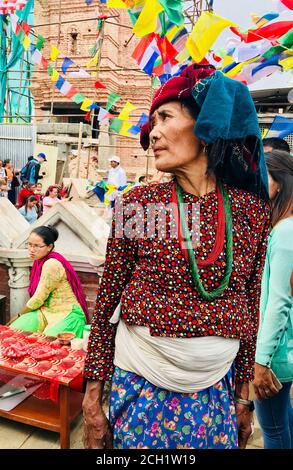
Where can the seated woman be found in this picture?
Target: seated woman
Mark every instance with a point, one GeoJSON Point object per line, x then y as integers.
{"type": "Point", "coordinates": [57, 300]}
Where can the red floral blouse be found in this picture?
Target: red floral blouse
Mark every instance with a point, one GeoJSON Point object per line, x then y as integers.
{"type": "Point", "coordinates": [153, 281]}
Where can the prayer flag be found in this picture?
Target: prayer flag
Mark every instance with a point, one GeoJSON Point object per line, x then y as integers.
{"type": "Point", "coordinates": [44, 62]}
{"type": "Point", "coordinates": [50, 69]}
{"type": "Point", "coordinates": [36, 56]}
{"type": "Point", "coordinates": [149, 58]}
{"type": "Point", "coordinates": [125, 129]}
{"type": "Point", "coordinates": [78, 98]}
{"type": "Point", "coordinates": [71, 92]}
{"type": "Point", "coordinates": [116, 125]}
{"type": "Point", "coordinates": [116, 4]}
{"type": "Point", "coordinates": [247, 51]}
{"type": "Point", "coordinates": [65, 87]}
{"type": "Point", "coordinates": [143, 119]}
{"type": "Point", "coordinates": [124, 114]}
{"type": "Point", "coordinates": [54, 52]}
{"type": "Point", "coordinates": [82, 73]}
{"type": "Point", "coordinates": [99, 84]}
{"type": "Point", "coordinates": [281, 127]}
{"type": "Point", "coordinates": [103, 113]}
{"type": "Point", "coordinates": [99, 190]}
{"type": "Point", "coordinates": [174, 10]}
{"type": "Point", "coordinates": [55, 75]}
{"type": "Point", "coordinates": [85, 104]}
{"type": "Point", "coordinates": [134, 130]}
{"type": "Point", "coordinates": [147, 20]}
{"type": "Point", "coordinates": [94, 60]}
{"type": "Point", "coordinates": [141, 48]}
{"type": "Point", "coordinates": [60, 82]}
{"type": "Point", "coordinates": [166, 49]}
{"type": "Point", "coordinates": [66, 64]}
{"type": "Point", "coordinates": [288, 4]}
{"type": "Point", "coordinates": [40, 42]}
{"type": "Point", "coordinates": [267, 17]}
{"type": "Point", "coordinates": [26, 27]}
{"type": "Point", "coordinates": [112, 99]}
{"type": "Point", "coordinates": [272, 61]}
{"type": "Point", "coordinates": [204, 34]}
{"type": "Point", "coordinates": [26, 42]}
{"type": "Point", "coordinates": [265, 131]}
{"type": "Point", "coordinates": [271, 31]}
{"type": "Point", "coordinates": [287, 63]}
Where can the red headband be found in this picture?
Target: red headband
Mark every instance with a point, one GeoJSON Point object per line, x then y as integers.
{"type": "Point", "coordinates": [175, 89]}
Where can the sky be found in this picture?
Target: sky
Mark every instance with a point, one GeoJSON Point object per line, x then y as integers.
{"type": "Point", "coordinates": [239, 12]}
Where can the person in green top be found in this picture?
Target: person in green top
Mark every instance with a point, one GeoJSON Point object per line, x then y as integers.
{"type": "Point", "coordinates": [274, 351]}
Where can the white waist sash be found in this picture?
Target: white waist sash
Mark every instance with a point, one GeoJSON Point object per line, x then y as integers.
{"type": "Point", "coordinates": [184, 365]}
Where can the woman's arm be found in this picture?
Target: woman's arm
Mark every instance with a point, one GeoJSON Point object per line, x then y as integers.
{"type": "Point", "coordinates": [121, 257]}
{"type": "Point", "coordinates": [245, 357]}
{"type": "Point", "coordinates": [97, 432]}
{"type": "Point", "coordinates": [246, 354]}
{"type": "Point", "coordinates": [277, 310]}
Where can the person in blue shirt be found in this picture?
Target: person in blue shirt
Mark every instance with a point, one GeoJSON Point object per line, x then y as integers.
{"type": "Point", "coordinates": [274, 351]}
{"type": "Point", "coordinates": [29, 210]}
{"type": "Point", "coordinates": [34, 168]}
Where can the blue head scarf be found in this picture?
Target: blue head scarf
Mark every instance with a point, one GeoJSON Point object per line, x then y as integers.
{"type": "Point", "coordinates": [228, 123]}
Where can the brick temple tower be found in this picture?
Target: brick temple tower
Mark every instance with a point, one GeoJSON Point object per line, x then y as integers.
{"type": "Point", "coordinates": [71, 25]}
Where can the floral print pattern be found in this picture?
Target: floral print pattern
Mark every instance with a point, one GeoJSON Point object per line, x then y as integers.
{"type": "Point", "coordinates": [144, 416]}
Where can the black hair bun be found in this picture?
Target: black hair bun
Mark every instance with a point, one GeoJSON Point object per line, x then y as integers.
{"type": "Point", "coordinates": [54, 232]}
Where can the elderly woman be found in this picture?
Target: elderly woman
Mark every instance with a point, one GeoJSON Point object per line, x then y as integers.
{"type": "Point", "coordinates": [57, 302]}
{"type": "Point", "coordinates": [182, 356]}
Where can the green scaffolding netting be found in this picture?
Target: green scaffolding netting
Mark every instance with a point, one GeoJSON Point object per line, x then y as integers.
{"type": "Point", "coordinates": [16, 100]}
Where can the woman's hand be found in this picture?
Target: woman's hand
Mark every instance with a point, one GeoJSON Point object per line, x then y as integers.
{"type": "Point", "coordinates": [244, 424]}
{"type": "Point", "coordinates": [265, 383]}
{"type": "Point", "coordinates": [97, 431]}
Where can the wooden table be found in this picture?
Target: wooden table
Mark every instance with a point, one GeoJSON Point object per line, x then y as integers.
{"type": "Point", "coordinates": [46, 414]}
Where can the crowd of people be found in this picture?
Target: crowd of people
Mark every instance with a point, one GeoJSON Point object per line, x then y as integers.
{"type": "Point", "coordinates": [25, 190]}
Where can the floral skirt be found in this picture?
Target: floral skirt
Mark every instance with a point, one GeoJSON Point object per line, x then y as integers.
{"type": "Point", "coordinates": [144, 416]}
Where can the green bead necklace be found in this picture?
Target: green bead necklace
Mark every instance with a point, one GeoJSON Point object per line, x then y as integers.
{"type": "Point", "coordinates": [229, 242]}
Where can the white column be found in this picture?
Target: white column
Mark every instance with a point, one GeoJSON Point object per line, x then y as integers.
{"type": "Point", "coordinates": [18, 283]}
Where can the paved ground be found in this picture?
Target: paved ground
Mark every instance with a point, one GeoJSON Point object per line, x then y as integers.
{"type": "Point", "coordinates": [20, 436]}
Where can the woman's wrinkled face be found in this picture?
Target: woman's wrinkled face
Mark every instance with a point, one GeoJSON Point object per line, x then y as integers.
{"type": "Point", "coordinates": [274, 187]}
{"type": "Point", "coordinates": [174, 144]}
{"type": "Point", "coordinates": [37, 249]}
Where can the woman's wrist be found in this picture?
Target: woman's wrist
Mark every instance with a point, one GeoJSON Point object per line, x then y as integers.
{"type": "Point", "coordinates": [248, 403]}
{"type": "Point", "coordinates": [242, 390]}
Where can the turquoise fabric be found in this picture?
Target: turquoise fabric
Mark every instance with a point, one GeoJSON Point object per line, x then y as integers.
{"type": "Point", "coordinates": [227, 114]}
{"type": "Point", "coordinates": [275, 336]}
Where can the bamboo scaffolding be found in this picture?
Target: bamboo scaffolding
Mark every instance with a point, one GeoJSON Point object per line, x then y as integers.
{"type": "Point", "coordinates": [55, 63]}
